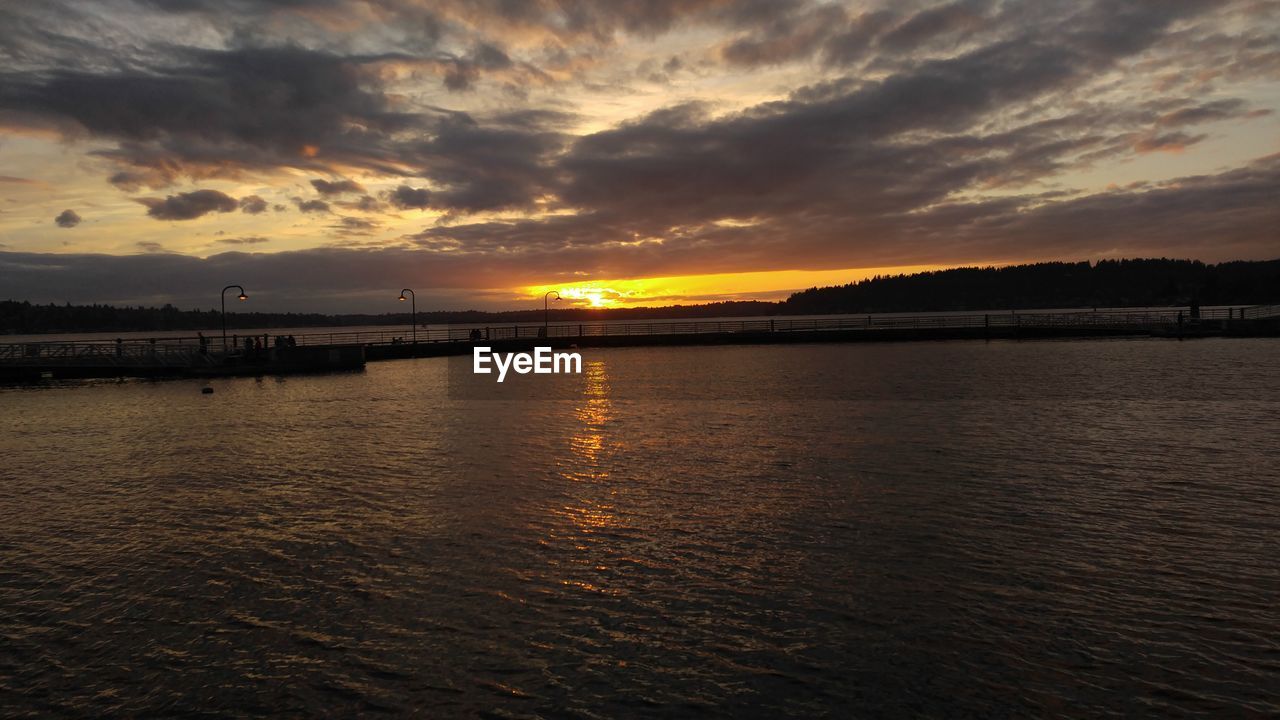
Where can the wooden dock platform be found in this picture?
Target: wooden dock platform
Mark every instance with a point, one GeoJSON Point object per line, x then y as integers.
{"type": "Point", "coordinates": [338, 351]}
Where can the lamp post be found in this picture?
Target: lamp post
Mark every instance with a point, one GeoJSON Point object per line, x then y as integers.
{"type": "Point", "coordinates": [242, 298]}
{"type": "Point", "coordinates": [546, 312]}
{"type": "Point", "coordinates": [413, 302]}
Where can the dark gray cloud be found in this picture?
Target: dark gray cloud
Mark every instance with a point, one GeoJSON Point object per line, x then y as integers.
{"type": "Point", "coordinates": [464, 71]}
{"type": "Point", "coordinates": [311, 206]}
{"type": "Point", "coordinates": [407, 198]}
{"type": "Point", "coordinates": [220, 112]}
{"type": "Point", "coordinates": [189, 205]}
{"type": "Point", "coordinates": [1207, 112]}
{"type": "Point", "coordinates": [1213, 217]}
{"type": "Point", "coordinates": [328, 188]}
{"type": "Point", "coordinates": [504, 164]}
{"type": "Point", "coordinates": [366, 203]}
{"type": "Point", "coordinates": [250, 240]}
{"type": "Point", "coordinates": [225, 113]}
{"type": "Point", "coordinates": [68, 219]}
{"type": "Point", "coordinates": [253, 205]}
{"type": "Point", "coordinates": [354, 227]}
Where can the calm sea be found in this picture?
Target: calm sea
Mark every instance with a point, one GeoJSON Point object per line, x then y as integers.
{"type": "Point", "coordinates": [958, 529]}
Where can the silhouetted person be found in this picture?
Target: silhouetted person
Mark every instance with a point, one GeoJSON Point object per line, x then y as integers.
{"type": "Point", "coordinates": [475, 334]}
{"type": "Point", "coordinates": [119, 347]}
{"type": "Point", "coordinates": [204, 343]}
{"type": "Point", "coordinates": [1195, 309]}
{"type": "Point", "coordinates": [248, 346]}
{"type": "Point", "coordinates": [292, 342]}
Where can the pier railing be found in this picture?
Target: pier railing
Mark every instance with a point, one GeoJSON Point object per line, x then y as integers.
{"type": "Point", "coordinates": [1107, 319]}
{"type": "Point", "coordinates": [171, 352]}
{"type": "Point", "coordinates": [1258, 312]}
{"type": "Point", "coordinates": [194, 350]}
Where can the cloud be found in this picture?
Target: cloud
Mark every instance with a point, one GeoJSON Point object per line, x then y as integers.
{"type": "Point", "coordinates": [68, 219]}
{"type": "Point", "coordinates": [506, 163]}
{"type": "Point", "coordinates": [253, 205]}
{"type": "Point", "coordinates": [311, 206]}
{"type": "Point", "coordinates": [251, 240]}
{"type": "Point", "coordinates": [189, 205]}
{"type": "Point", "coordinates": [1212, 217]}
{"type": "Point", "coordinates": [219, 113]}
{"type": "Point", "coordinates": [366, 203]}
{"type": "Point", "coordinates": [1235, 209]}
{"type": "Point", "coordinates": [355, 227]}
{"type": "Point", "coordinates": [793, 132]}
{"type": "Point", "coordinates": [149, 246]}
{"type": "Point", "coordinates": [339, 187]}
{"type": "Point", "coordinates": [464, 71]}
{"type": "Point", "coordinates": [406, 198]}
{"type": "Point", "coordinates": [1174, 142]}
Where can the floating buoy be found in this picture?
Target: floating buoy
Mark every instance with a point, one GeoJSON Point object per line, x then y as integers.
{"type": "Point", "coordinates": [206, 390]}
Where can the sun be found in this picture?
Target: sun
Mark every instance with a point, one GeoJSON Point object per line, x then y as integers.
{"type": "Point", "coordinates": [598, 297]}
{"type": "Point", "coordinates": [588, 294]}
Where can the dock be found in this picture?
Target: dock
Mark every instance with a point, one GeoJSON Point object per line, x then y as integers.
{"type": "Point", "coordinates": [347, 351]}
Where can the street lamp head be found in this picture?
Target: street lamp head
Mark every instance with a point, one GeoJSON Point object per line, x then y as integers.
{"type": "Point", "coordinates": [243, 296]}
{"type": "Point", "coordinates": [402, 298]}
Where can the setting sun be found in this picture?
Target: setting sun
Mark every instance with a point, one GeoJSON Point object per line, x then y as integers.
{"type": "Point", "coordinates": [593, 296]}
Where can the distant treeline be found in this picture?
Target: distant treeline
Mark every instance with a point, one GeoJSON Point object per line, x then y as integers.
{"type": "Point", "coordinates": [1109, 283]}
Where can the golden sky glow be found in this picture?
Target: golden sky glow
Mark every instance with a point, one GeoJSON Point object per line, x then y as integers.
{"type": "Point", "coordinates": [698, 289]}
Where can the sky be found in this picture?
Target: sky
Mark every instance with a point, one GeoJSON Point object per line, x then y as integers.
{"type": "Point", "coordinates": [325, 154]}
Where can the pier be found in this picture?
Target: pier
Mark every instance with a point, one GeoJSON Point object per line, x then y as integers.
{"type": "Point", "coordinates": [337, 351]}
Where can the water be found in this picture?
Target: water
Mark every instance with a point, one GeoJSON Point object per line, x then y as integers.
{"type": "Point", "coordinates": [967, 529]}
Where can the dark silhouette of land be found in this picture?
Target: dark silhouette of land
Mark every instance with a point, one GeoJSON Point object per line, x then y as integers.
{"type": "Point", "coordinates": [1108, 283]}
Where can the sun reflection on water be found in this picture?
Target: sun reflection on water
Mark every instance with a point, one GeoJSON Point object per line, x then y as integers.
{"type": "Point", "coordinates": [594, 413]}
{"type": "Point", "coordinates": [587, 464]}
